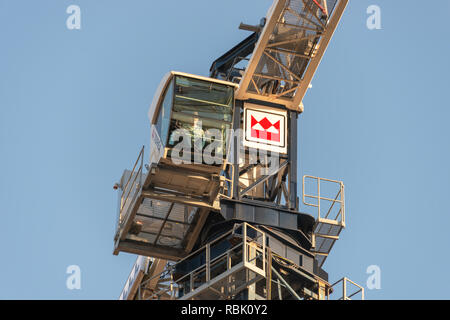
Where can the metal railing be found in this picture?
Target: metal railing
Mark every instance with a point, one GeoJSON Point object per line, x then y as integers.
{"type": "Point", "coordinates": [255, 248]}
{"type": "Point", "coordinates": [226, 183]}
{"type": "Point", "coordinates": [349, 289]}
{"type": "Point", "coordinates": [236, 61]}
{"type": "Point", "coordinates": [252, 249]}
{"type": "Point", "coordinates": [131, 187]}
{"type": "Point", "coordinates": [339, 199]}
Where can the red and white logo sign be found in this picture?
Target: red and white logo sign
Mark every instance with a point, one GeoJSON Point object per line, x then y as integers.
{"type": "Point", "coordinates": [265, 128]}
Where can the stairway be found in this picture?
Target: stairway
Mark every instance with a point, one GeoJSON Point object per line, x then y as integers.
{"type": "Point", "coordinates": [328, 226]}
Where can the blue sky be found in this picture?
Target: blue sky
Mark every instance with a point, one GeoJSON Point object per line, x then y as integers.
{"type": "Point", "coordinates": [73, 115]}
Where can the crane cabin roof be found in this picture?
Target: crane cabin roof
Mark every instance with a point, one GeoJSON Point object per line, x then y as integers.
{"type": "Point", "coordinates": [166, 81]}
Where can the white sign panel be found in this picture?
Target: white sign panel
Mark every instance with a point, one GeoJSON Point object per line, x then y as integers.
{"type": "Point", "coordinates": [265, 128]}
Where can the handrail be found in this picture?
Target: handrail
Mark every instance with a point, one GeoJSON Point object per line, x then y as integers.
{"type": "Point", "coordinates": [227, 186]}
{"type": "Point", "coordinates": [133, 176]}
{"type": "Point", "coordinates": [192, 254]}
{"type": "Point", "coordinates": [190, 274]}
{"type": "Point", "coordinates": [211, 262]}
{"type": "Point", "coordinates": [345, 296]}
{"type": "Point", "coordinates": [339, 198]}
{"type": "Point", "coordinates": [206, 267]}
{"type": "Point", "coordinates": [332, 205]}
{"type": "Point", "coordinates": [235, 62]}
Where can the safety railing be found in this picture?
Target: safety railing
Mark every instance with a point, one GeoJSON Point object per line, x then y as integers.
{"type": "Point", "coordinates": [339, 217]}
{"type": "Point", "coordinates": [236, 69]}
{"type": "Point", "coordinates": [349, 289]}
{"type": "Point", "coordinates": [251, 250]}
{"type": "Point", "coordinates": [255, 248]}
{"type": "Point", "coordinates": [226, 183]}
{"type": "Point", "coordinates": [330, 215]}
{"type": "Point", "coordinates": [131, 187]}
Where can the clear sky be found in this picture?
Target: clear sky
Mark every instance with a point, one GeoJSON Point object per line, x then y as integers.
{"type": "Point", "coordinates": [73, 115]}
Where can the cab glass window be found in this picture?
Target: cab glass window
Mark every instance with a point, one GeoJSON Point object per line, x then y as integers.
{"type": "Point", "coordinates": [163, 120]}
{"type": "Point", "coordinates": [202, 102]}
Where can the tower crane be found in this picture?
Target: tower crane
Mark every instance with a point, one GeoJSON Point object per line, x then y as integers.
{"type": "Point", "coordinates": [215, 213]}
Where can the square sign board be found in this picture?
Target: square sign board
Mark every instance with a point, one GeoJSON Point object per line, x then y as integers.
{"type": "Point", "coordinates": [265, 128]}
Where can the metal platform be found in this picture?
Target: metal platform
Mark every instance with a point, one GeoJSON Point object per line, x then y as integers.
{"type": "Point", "coordinates": [248, 269]}
{"type": "Point", "coordinates": [328, 225]}
{"type": "Point", "coordinates": [156, 223]}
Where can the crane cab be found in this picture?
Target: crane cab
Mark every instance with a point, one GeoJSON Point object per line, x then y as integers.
{"type": "Point", "coordinates": [190, 120]}
{"type": "Point", "coordinates": [162, 210]}
{"type": "Point", "coordinates": [192, 107]}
